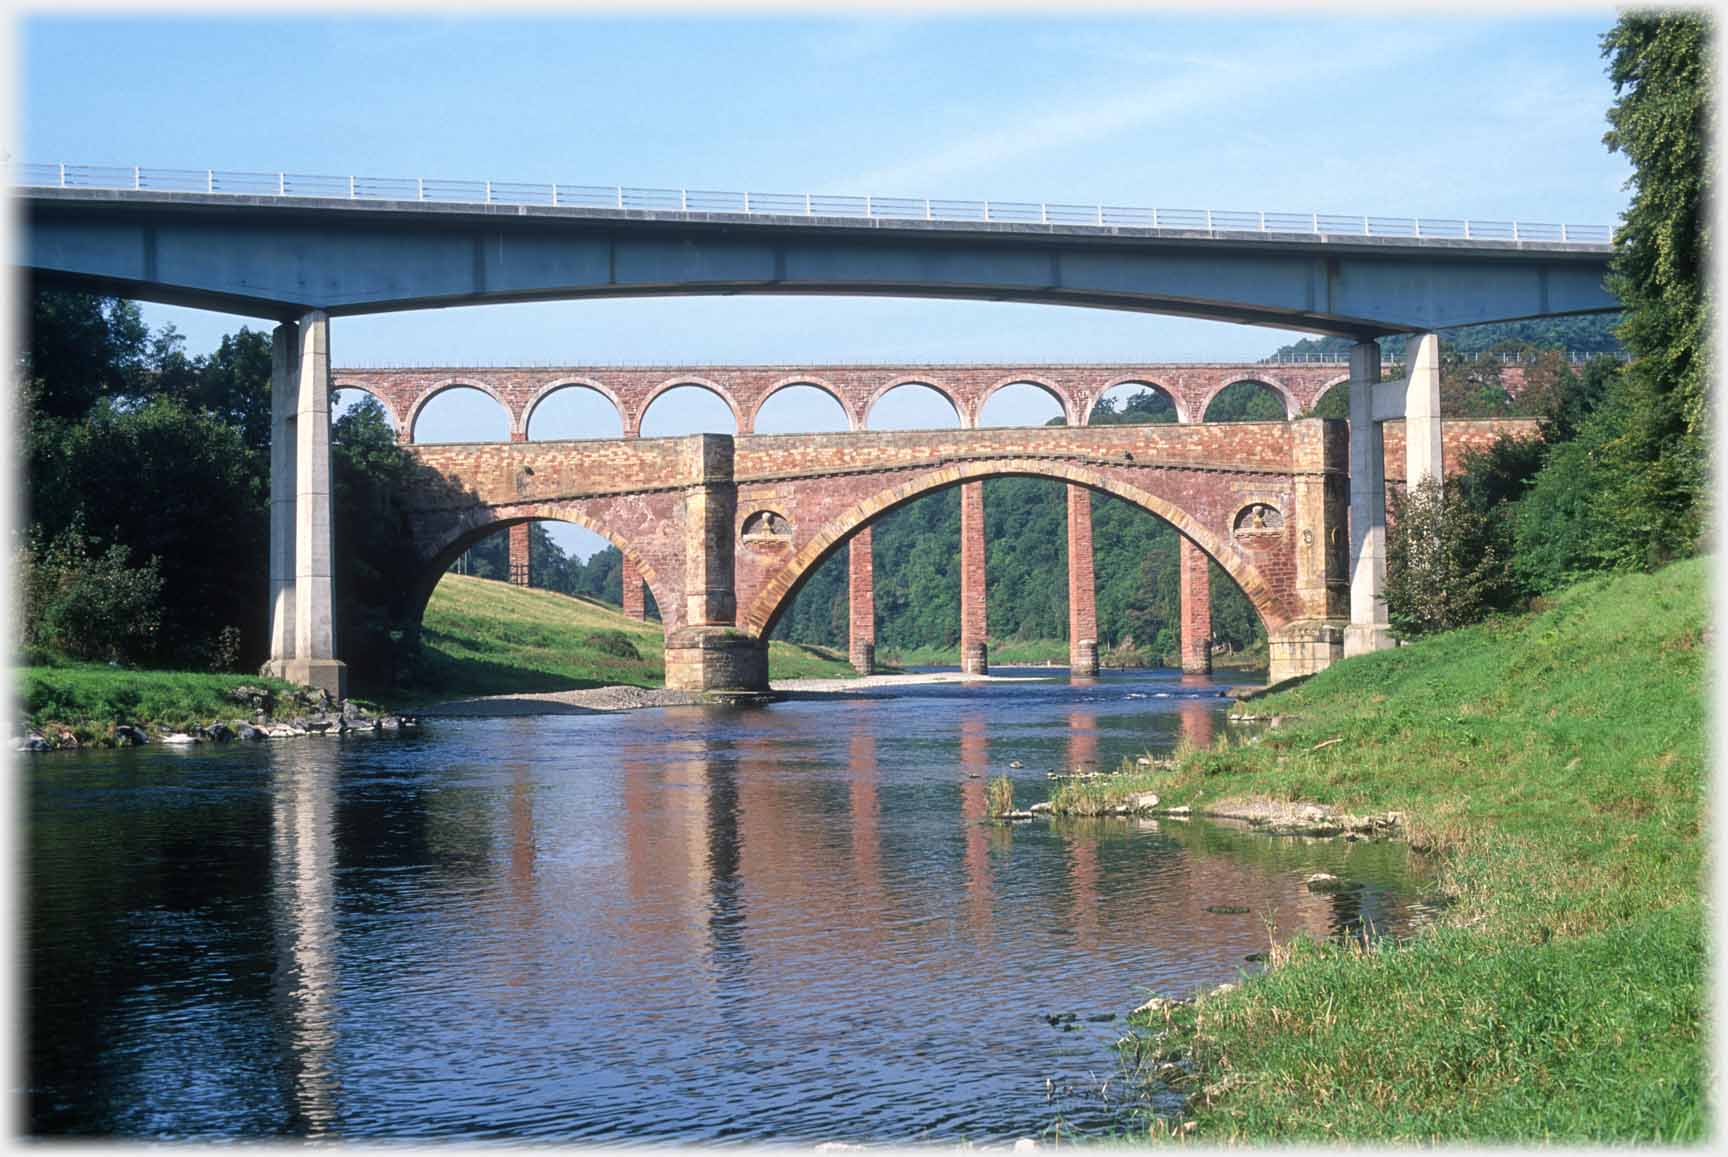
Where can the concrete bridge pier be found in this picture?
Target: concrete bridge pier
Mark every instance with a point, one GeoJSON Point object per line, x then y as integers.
{"type": "Point", "coordinates": [974, 622]}
{"type": "Point", "coordinates": [303, 605]}
{"type": "Point", "coordinates": [861, 600]}
{"type": "Point", "coordinates": [1368, 630]}
{"type": "Point", "coordinates": [709, 653]}
{"type": "Point", "coordinates": [1194, 570]}
{"type": "Point", "coordinates": [1082, 587]}
{"type": "Point", "coordinates": [1416, 400]}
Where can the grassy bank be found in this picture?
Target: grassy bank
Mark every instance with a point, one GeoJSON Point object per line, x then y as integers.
{"type": "Point", "coordinates": [1552, 768]}
{"type": "Point", "coordinates": [87, 699]}
{"type": "Point", "coordinates": [482, 637]}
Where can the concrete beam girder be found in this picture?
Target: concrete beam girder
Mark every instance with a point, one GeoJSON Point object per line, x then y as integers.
{"type": "Point", "coordinates": [280, 258]}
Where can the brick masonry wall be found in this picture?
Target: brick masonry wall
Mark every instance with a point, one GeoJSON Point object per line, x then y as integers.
{"type": "Point", "coordinates": [1194, 572]}
{"type": "Point", "coordinates": [1076, 388]}
{"type": "Point", "coordinates": [974, 616]}
{"type": "Point", "coordinates": [861, 596]}
{"type": "Point", "coordinates": [823, 488]}
{"type": "Point", "coordinates": [630, 585]}
{"type": "Point", "coordinates": [1082, 585]}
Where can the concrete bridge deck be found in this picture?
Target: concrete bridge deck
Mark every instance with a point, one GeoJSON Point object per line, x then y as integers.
{"type": "Point", "coordinates": [283, 257]}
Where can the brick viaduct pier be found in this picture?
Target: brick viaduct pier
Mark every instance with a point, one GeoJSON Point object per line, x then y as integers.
{"type": "Point", "coordinates": [724, 530]}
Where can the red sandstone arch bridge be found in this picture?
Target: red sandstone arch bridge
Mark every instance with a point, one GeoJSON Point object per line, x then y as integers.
{"type": "Point", "coordinates": [724, 530]}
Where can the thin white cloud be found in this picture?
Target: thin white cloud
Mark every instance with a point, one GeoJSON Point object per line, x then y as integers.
{"type": "Point", "coordinates": [1207, 83]}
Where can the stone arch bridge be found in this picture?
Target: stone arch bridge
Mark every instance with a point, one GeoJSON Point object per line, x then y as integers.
{"type": "Point", "coordinates": [724, 530]}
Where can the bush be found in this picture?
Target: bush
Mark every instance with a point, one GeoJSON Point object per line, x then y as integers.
{"type": "Point", "coordinates": [88, 603]}
{"type": "Point", "coordinates": [1447, 563]}
{"type": "Point", "coordinates": [614, 643]}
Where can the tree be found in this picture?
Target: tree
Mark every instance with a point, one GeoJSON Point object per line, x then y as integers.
{"type": "Point", "coordinates": [1660, 63]}
{"type": "Point", "coordinates": [83, 348]}
{"type": "Point", "coordinates": [1447, 564]}
{"type": "Point", "coordinates": [374, 551]}
{"type": "Point", "coordinates": [86, 602]}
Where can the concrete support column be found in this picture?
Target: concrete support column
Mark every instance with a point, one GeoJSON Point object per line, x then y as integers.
{"type": "Point", "coordinates": [1422, 443]}
{"type": "Point", "coordinates": [1194, 569]}
{"type": "Point", "coordinates": [521, 569]}
{"type": "Point", "coordinates": [1082, 589]}
{"type": "Point", "coordinates": [630, 578]}
{"type": "Point", "coordinates": [314, 662]}
{"type": "Point", "coordinates": [974, 622]}
{"type": "Point", "coordinates": [284, 393]}
{"type": "Point", "coordinates": [1368, 630]}
{"type": "Point", "coordinates": [861, 598]}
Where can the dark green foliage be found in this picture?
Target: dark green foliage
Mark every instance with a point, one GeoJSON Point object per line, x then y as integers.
{"type": "Point", "coordinates": [1593, 333]}
{"type": "Point", "coordinates": [120, 443]}
{"type": "Point", "coordinates": [1622, 485]}
{"type": "Point", "coordinates": [82, 348]}
{"type": "Point", "coordinates": [88, 603]}
{"type": "Point", "coordinates": [1572, 397]}
{"type": "Point", "coordinates": [1334, 403]}
{"type": "Point", "coordinates": [1246, 402]}
{"type": "Point", "coordinates": [169, 482]}
{"type": "Point", "coordinates": [1661, 62]}
{"type": "Point", "coordinates": [917, 571]}
{"type": "Point", "coordinates": [1145, 408]}
{"type": "Point", "coordinates": [917, 567]}
{"type": "Point", "coordinates": [820, 613]}
{"type": "Point", "coordinates": [375, 571]}
{"type": "Point", "coordinates": [614, 643]}
{"type": "Point", "coordinates": [1447, 562]}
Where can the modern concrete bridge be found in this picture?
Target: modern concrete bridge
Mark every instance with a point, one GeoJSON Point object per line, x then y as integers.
{"type": "Point", "coordinates": [303, 259]}
{"type": "Point", "coordinates": [282, 256]}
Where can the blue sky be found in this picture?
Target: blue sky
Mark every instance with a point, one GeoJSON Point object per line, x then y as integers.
{"type": "Point", "coordinates": [1421, 115]}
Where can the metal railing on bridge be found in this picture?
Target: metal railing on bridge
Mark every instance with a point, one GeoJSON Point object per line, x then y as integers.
{"type": "Point", "coordinates": [1504, 357]}
{"type": "Point", "coordinates": [1209, 222]}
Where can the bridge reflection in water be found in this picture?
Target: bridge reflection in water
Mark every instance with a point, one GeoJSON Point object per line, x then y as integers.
{"type": "Point", "coordinates": [589, 926]}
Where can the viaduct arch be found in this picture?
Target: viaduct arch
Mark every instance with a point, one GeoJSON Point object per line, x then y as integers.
{"type": "Point", "coordinates": [782, 588]}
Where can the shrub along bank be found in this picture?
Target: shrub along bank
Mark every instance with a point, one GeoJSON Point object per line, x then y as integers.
{"type": "Point", "coordinates": [1552, 768]}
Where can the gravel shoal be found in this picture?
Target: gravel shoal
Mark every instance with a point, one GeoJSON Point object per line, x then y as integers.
{"type": "Point", "coordinates": [594, 700]}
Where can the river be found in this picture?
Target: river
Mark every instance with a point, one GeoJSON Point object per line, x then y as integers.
{"type": "Point", "coordinates": [700, 924]}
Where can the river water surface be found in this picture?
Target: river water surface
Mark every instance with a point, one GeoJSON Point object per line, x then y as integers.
{"type": "Point", "coordinates": [698, 924]}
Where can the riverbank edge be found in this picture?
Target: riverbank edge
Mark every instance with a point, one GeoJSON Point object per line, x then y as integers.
{"type": "Point", "coordinates": [96, 706]}
{"type": "Point", "coordinates": [1560, 994]}
{"type": "Point", "coordinates": [314, 714]}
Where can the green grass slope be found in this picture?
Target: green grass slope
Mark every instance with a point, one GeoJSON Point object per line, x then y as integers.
{"type": "Point", "coordinates": [483, 637]}
{"type": "Point", "coordinates": [87, 699]}
{"type": "Point", "coordinates": [1554, 768]}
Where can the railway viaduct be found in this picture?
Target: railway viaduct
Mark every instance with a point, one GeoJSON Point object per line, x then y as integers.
{"type": "Point", "coordinates": [1250, 495]}
{"type": "Point", "coordinates": [724, 529]}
